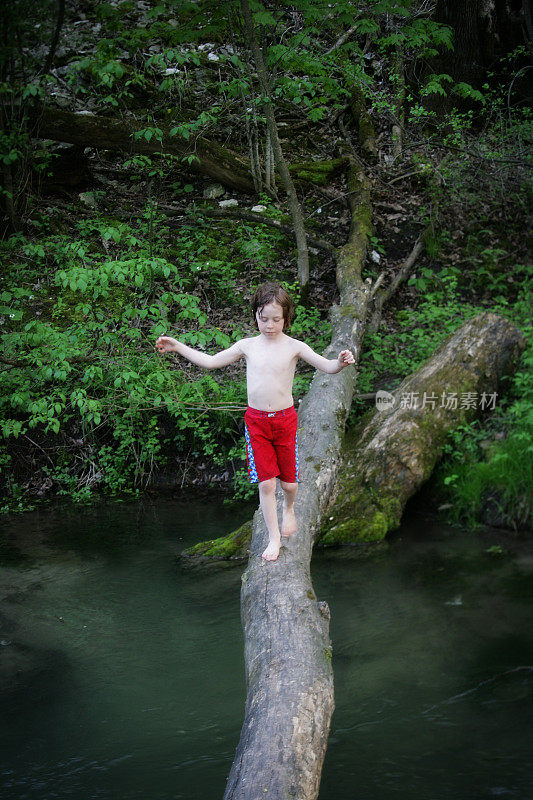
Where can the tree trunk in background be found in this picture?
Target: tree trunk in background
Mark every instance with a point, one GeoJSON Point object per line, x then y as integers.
{"type": "Point", "coordinates": [399, 122]}
{"type": "Point", "coordinates": [466, 63]}
{"type": "Point", "coordinates": [366, 132]}
{"type": "Point", "coordinates": [483, 32]}
{"type": "Point", "coordinates": [474, 38]}
{"type": "Point", "coordinates": [294, 205]}
{"type": "Point", "coordinates": [55, 38]}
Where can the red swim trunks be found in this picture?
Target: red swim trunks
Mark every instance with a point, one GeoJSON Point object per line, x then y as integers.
{"type": "Point", "coordinates": [271, 444]}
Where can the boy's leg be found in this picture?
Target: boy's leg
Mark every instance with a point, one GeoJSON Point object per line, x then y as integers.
{"type": "Point", "coordinates": [289, 524]}
{"type": "Point", "coordinates": [267, 501]}
{"type": "Point", "coordinates": [286, 445]}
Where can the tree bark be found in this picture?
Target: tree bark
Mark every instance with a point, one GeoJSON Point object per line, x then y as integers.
{"type": "Point", "coordinates": [472, 22]}
{"type": "Point", "coordinates": [399, 85]}
{"type": "Point", "coordinates": [393, 451]}
{"type": "Point", "coordinates": [366, 132]}
{"type": "Point", "coordinates": [475, 42]}
{"type": "Point", "coordinates": [294, 205]}
{"type": "Point", "coordinates": [55, 38]}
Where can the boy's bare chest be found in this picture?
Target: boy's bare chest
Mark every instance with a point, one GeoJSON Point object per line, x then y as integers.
{"type": "Point", "coordinates": [270, 361]}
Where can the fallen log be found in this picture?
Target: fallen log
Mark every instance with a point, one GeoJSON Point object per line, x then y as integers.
{"type": "Point", "coordinates": [289, 677]}
{"type": "Point", "coordinates": [210, 158]}
{"type": "Point", "coordinates": [394, 449]}
{"type": "Point", "coordinates": [108, 133]}
{"type": "Point", "coordinates": [319, 173]}
{"type": "Point", "coordinates": [384, 295]}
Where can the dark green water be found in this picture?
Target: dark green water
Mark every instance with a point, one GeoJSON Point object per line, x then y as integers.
{"type": "Point", "coordinates": [122, 673]}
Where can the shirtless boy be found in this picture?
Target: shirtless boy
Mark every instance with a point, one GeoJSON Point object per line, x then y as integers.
{"type": "Point", "coordinates": [270, 419]}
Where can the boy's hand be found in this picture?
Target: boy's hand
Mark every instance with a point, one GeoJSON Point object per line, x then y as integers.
{"type": "Point", "coordinates": [345, 358]}
{"type": "Point", "coordinates": [166, 344]}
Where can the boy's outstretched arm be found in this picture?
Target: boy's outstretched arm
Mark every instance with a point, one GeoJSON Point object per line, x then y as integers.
{"type": "Point", "coordinates": [166, 344]}
{"type": "Point", "coordinates": [325, 364]}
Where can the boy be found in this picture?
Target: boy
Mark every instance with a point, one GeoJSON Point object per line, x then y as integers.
{"type": "Point", "coordinates": [270, 419]}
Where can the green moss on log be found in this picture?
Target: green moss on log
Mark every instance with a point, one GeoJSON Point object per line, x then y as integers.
{"type": "Point", "coordinates": [351, 256]}
{"type": "Point", "coordinates": [318, 172]}
{"type": "Point", "coordinates": [234, 545]}
{"type": "Point", "coordinates": [363, 218]}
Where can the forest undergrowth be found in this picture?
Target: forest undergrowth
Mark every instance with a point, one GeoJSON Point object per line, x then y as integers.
{"type": "Point", "coordinates": [95, 268]}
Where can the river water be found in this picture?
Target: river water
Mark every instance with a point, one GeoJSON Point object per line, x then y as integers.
{"type": "Point", "coordinates": [122, 672]}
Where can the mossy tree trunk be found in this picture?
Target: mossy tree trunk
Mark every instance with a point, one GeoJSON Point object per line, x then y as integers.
{"type": "Point", "coordinates": [394, 450]}
{"type": "Point", "coordinates": [366, 132]}
{"type": "Point", "coordinates": [286, 629]}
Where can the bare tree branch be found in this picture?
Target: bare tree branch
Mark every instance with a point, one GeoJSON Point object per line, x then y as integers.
{"type": "Point", "coordinates": [55, 39]}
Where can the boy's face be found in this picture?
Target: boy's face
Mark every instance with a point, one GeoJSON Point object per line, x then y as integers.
{"type": "Point", "coordinates": [270, 320]}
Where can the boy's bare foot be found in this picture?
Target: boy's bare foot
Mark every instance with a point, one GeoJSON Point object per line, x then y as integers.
{"type": "Point", "coordinates": [288, 524]}
{"type": "Point", "coordinates": [272, 551]}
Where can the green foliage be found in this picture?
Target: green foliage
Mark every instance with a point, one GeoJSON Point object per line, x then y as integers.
{"type": "Point", "coordinates": [83, 365]}
{"type": "Point", "coordinates": [308, 324]}
{"type": "Point", "coordinates": [494, 461]}
{"type": "Point", "coordinates": [506, 475]}
{"type": "Point", "coordinates": [261, 245]}
{"type": "Point", "coordinates": [81, 308]}
{"type": "Point", "coordinates": [390, 356]}
{"type": "Point", "coordinates": [80, 314]}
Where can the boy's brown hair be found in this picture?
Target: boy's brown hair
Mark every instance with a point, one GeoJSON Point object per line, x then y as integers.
{"type": "Point", "coordinates": [273, 292]}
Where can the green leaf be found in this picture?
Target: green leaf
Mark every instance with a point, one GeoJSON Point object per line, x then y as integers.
{"type": "Point", "coordinates": [264, 18]}
{"type": "Point", "coordinates": [316, 113]}
{"type": "Point", "coordinates": [13, 313]}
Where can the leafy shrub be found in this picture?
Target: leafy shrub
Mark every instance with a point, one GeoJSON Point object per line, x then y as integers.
{"type": "Point", "coordinates": [494, 461]}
